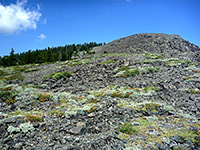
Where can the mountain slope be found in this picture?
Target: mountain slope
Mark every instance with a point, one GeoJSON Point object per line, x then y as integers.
{"type": "Point", "coordinates": [149, 43]}
{"type": "Point", "coordinates": [138, 100]}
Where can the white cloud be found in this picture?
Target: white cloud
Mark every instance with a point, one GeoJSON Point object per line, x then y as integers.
{"type": "Point", "coordinates": [42, 36]}
{"type": "Point", "coordinates": [38, 6]}
{"type": "Point", "coordinates": [44, 21]}
{"type": "Point", "coordinates": [15, 18]}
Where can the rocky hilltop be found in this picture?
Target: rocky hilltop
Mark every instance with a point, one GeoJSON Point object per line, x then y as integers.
{"type": "Point", "coordinates": [138, 92]}
{"type": "Point", "coordinates": [150, 43]}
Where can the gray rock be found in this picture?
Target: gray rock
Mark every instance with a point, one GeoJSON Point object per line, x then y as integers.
{"type": "Point", "coordinates": [11, 120]}
{"type": "Point", "coordinates": [77, 130]}
{"type": "Point", "coordinates": [135, 123]}
{"type": "Point", "coordinates": [162, 147]}
{"type": "Point", "coordinates": [18, 145]}
{"type": "Point", "coordinates": [181, 147]}
{"type": "Point", "coordinates": [176, 138]}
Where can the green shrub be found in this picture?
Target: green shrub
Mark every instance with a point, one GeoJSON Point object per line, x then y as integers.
{"type": "Point", "coordinates": [33, 118]}
{"type": "Point", "coordinates": [150, 88]}
{"type": "Point", "coordinates": [116, 94]}
{"type": "Point", "coordinates": [2, 73]}
{"type": "Point", "coordinates": [153, 107]}
{"type": "Point", "coordinates": [31, 69]}
{"type": "Point", "coordinates": [124, 68]}
{"type": "Point", "coordinates": [107, 62]}
{"type": "Point", "coordinates": [18, 69]}
{"type": "Point", "coordinates": [4, 95]}
{"type": "Point", "coordinates": [44, 97]}
{"type": "Point", "coordinates": [127, 128]}
{"type": "Point", "coordinates": [193, 91]}
{"type": "Point", "coordinates": [153, 56]}
{"type": "Point", "coordinates": [58, 75]}
{"type": "Point", "coordinates": [16, 76]}
{"type": "Point", "coordinates": [48, 76]}
{"type": "Point", "coordinates": [132, 72]}
{"type": "Point", "coordinates": [57, 113]}
{"type": "Point", "coordinates": [7, 95]}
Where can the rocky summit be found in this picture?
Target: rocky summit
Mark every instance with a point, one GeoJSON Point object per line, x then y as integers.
{"type": "Point", "coordinates": [138, 92]}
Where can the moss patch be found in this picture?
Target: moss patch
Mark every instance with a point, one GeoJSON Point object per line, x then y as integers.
{"type": "Point", "coordinates": [58, 75]}
{"type": "Point", "coordinates": [107, 62]}
{"type": "Point", "coordinates": [153, 107]}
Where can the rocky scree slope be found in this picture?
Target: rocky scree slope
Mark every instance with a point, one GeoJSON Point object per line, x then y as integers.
{"type": "Point", "coordinates": [150, 43]}
{"type": "Point", "coordinates": [146, 100]}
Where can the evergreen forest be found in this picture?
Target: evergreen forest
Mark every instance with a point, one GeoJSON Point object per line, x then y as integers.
{"type": "Point", "coordinates": [60, 53]}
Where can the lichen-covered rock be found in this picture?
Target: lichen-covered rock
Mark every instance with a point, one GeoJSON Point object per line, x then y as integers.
{"type": "Point", "coordinates": [26, 127]}
{"type": "Point", "coordinates": [12, 129]}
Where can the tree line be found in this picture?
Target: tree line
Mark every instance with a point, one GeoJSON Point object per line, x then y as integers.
{"type": "Point", "coordinates": [61, 53]}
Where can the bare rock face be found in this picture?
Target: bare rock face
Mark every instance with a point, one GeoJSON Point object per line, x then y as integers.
{"type": "Point", "coordinates": [150, 43]}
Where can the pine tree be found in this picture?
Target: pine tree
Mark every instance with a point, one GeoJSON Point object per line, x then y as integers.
{"type": "Point", "coordinates": [49, 57]}
{"type": "Point", "coordinates": [12, 58]}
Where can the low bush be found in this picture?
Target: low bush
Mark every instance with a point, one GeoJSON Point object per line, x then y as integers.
{"type": "Point", "coordinates": [127, 128]}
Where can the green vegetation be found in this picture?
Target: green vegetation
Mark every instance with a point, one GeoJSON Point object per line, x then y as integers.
{"type": "Point", "coordinates": [3, 73]}
{"type": "Point", "coordinates": [197, 63]}
{"type": "Point", "coordinates": [93, 101]}
{"type": "Point", "coordinates": [31, 69]}
{"type": "Point", "coordinates": [77, 62]}
{"type": "Point", "coordinates": [124, 92]}
{"type": "Point", "coordinates": [99, 94]}
{"type": "Point", "coordinates": [7, 95]}
{"type": "Point", "coordinates": [150, 88]}
{"type": "Point", "coordinates": [107, 62]}
{"type": "Point", "coordinates": [126, 72]}
{"type": "Point", "coordinates": [149, 61]}
{"type": "Point", "coordinates": [13, 77]}
{"type": "Point", "coordinates": [153, 107]}
{"type": "Point", "coordinates": [193, 80]}
{"type": "Point", "coordinates": [58, 75]}
{"type": "Point", "coordinates": [168, 61]}
{"type": "Point", "coordinates": [132, 72]}
{"type": "Point", "coordinates": [44, 97]}
{"type": "Point", "coordinates": [12, 73]}
{"type": "Point", "coordinates": [193, 91]}
{"type": "Point", "coordinates": [33, 118]}
{"type": "Point", "coordinates": [57, 113]}
{"type": "Point", "coordinates": [177, 62]}
{"type": "Point", "coordinates": [48, 76]}
{"type": "Point", "coordinates": [123, 136]}
{"type": "Point", "coordinates": [150, 128]}
{"type": "Point", "coordinates": [153, 56]}
{"type": "Point", "coordinates": [61, 53]}
{"type": "Point", "coordinates": [127, 128]}
{"type": "Point", "coordinates": [124, 68]}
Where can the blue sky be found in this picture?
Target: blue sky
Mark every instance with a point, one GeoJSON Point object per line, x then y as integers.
{"type": "Point", "coordinates": [36, 24]}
